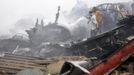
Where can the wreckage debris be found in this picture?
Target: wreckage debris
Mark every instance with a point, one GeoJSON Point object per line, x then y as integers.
{"type": "Point", "coordinates": [98, 47]}
{"type": "Point", "coordinates": [110, 60]}
{"type": "Point", "coordinates": [11, 64]}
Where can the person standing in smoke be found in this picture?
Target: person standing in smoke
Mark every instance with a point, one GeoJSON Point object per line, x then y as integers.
{"type": "Point", "coordinates": [97, 21]}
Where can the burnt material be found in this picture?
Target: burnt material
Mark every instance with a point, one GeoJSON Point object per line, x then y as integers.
{"type": "Point", "coordinates": [102, 45]}
{"type": "Point", "coordinates": [114, 60]}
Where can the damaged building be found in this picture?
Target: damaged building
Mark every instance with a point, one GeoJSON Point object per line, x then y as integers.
{"type": "Point", "coordinates": [52, 32]}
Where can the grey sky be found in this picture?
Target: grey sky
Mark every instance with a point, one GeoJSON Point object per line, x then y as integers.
{"type": "Point", "coordinates": [13, 10]}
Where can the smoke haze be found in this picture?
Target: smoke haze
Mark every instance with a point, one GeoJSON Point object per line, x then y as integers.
{"type": "Point", "coordinates": [18, 15]}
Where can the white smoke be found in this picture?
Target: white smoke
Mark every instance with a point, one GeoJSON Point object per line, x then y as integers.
{"type": "Point", "coordinates": [14, 10]}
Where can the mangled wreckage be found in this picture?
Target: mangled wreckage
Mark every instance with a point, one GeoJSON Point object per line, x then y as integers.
{"type": "Point", "coordinates": [105, 51]}
{"type": "Point", "coordinates": [101, 53]}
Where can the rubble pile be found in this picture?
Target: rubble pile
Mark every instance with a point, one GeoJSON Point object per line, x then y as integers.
{"type": "Point", "coordinates": [11, 64]}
